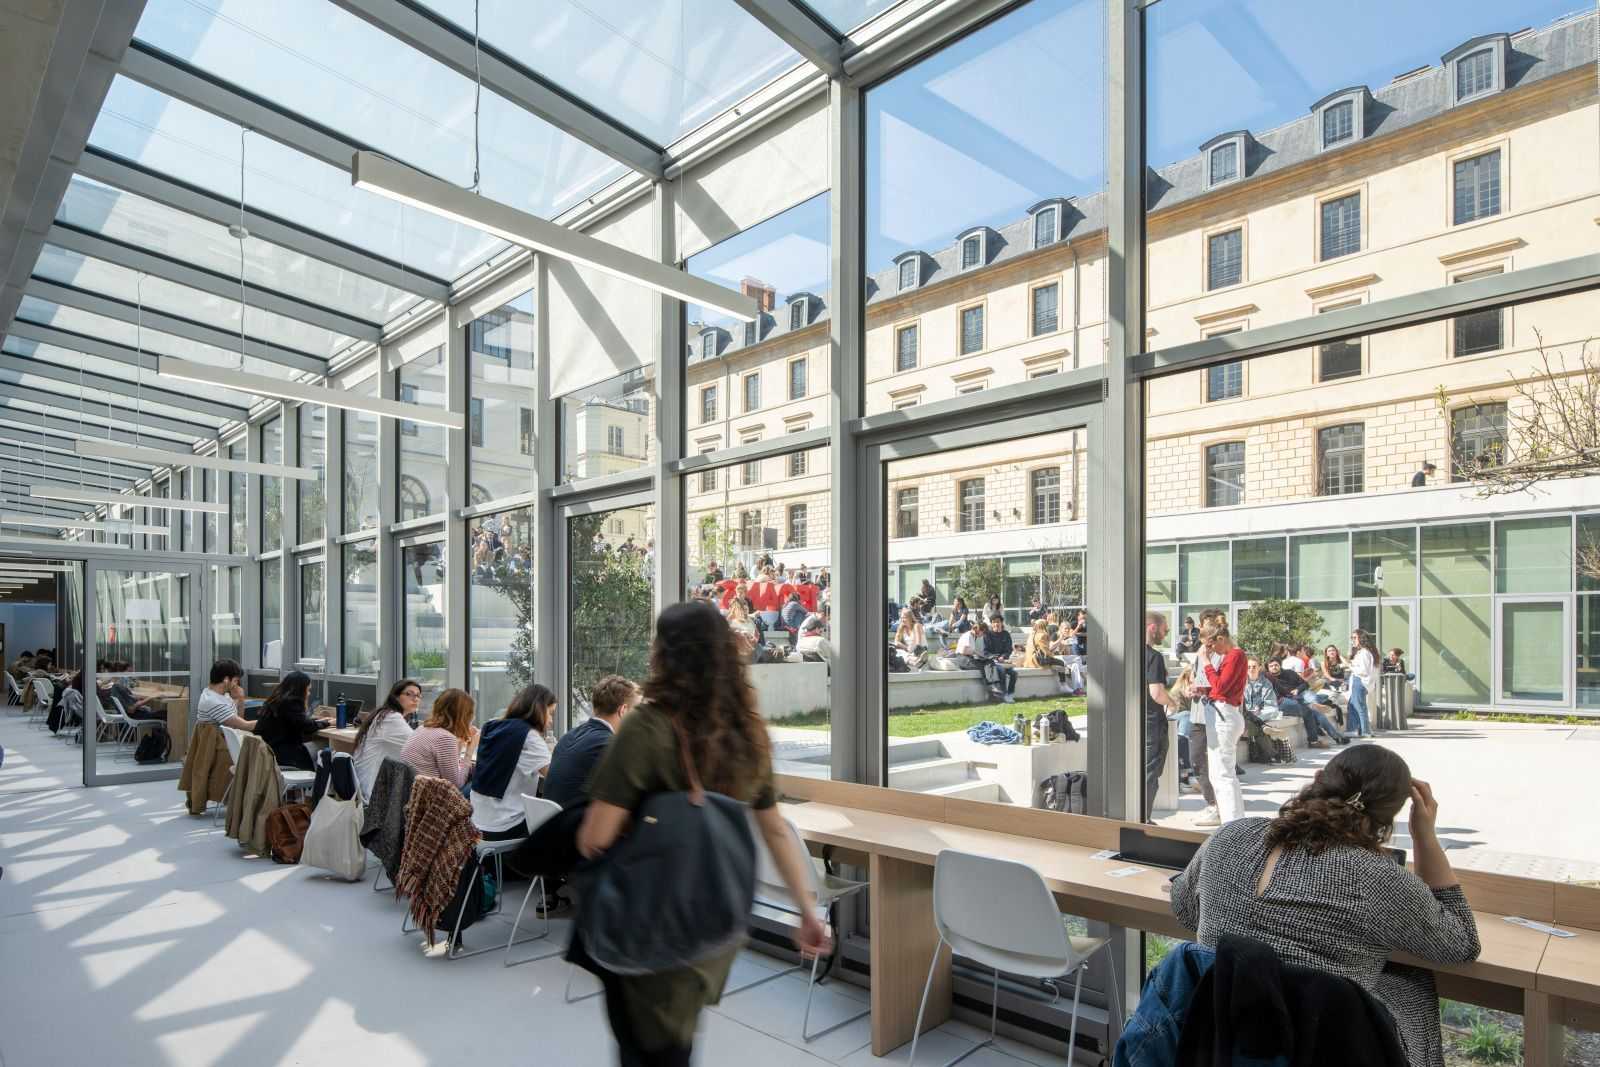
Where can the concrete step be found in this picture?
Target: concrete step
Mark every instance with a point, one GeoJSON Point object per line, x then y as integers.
{"type": "Point", "coordinates": [922, 776]}
{"type": "Point", "coordinates": [914, 749]}
{"type": "Point", "coordinates": [972, 789]}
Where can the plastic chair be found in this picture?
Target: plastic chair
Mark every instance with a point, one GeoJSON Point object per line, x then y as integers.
{"type": "Point", "coordinates": [482, 852]}
{"type": "Point", "coordinates": [536, 812]}
{"type": "Point", "coordinates": [43, 694]}
{"type": "Point", "coordinates": [13, 693]}
{"type": "Point", "coordinates": [120, 724]}
{"type": "Point", "coordinates": [1001, 915]}
{"type": "Point", "coordinates": [772, 899]}
{"type": "Point", "coordinates": [133, 726]}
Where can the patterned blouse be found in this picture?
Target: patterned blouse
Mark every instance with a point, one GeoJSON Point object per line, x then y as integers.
{"type": "Point", "coordinates": [1345, 911]}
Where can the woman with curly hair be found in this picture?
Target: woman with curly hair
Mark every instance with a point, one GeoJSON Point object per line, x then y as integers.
{"type": "Point", "coordinates": [698, 708]}
{"type": "Point", "coordinates": [1317, 885]}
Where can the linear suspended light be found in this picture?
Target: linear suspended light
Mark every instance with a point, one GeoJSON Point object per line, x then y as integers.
{"type": "Point", "coordinates": [373, 172]}
{"type": "Point", "coordinates": [110, 526]}
{"type": "Point", "coordinates": [9, 539]}
{"type": "Point", "coordinates": [262, 385]}
{"type": "Point", "coordinates": [14, 570]}
{"type": "Point", "coordinates": [109, 496]}
{"type": "Point", "coordinates": [96, 448]}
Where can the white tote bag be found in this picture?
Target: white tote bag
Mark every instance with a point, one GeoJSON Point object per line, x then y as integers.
{"type": "Point", "coordinates": [333, 842]}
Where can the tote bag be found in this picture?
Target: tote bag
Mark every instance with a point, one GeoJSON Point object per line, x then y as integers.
{"type": "Point", "coordinates": [333, 841]}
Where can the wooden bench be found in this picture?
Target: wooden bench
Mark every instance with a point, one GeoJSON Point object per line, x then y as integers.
{"type": "Point", "coordinates": [897, 835]}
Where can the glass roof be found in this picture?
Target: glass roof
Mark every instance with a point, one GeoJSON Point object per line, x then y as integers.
{"type": "Point", "coordinates": [166, 135]}
{"type": "Point", "coordinates": [133, 220]}
{"type": "Point", "coordinates": [93, 398]}
{"type": "Point", "coordinates": [108, 279]}
{"type": "Point", "coordinates": [846, 15]}
{"type": "Point", "coordinates": [89, 421]}
{"type": "Point", "coordinates": [660, 68]}
{"type": "Point", "coordinates": [74, 360]}
{"type": "Point", "coordinates": [316, 60]}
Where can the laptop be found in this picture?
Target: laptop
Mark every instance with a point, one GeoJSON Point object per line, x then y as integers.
{"type": "Point", "coordinates": [1154, 850]}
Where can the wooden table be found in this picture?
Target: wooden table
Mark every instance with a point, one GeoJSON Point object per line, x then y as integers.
{"type": "Point", "coordinates": [1551, 981]}
{"type": "Point", "coordinates": [339, 740]}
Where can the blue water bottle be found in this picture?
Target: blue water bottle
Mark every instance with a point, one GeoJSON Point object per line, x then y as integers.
{"type": "Point", "coordinates": [340, 714]}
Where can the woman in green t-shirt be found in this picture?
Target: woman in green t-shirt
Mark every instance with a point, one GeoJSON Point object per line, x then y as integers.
{"type": "Point", "coordinates": [697, 677]}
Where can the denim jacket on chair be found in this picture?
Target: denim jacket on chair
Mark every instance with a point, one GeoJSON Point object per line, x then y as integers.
{"type": "Point", "coordinates": [1151, 1037]}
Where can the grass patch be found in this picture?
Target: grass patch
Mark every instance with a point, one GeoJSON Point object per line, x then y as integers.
{"type": "Point", "coordinates": [1469, 715]}
{"type": "Point", "coordinates": [948, 718]}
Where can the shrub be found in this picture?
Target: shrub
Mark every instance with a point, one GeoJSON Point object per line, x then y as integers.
{"type": "Point", "coordinates": [1489, 1042]}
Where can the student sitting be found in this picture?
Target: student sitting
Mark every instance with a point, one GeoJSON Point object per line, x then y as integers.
{"type": "Point", "coordinates": [286, 724]}
{"type": "Point", "coordinates": [222, 702]}
{"type": "Point", "coordinates": [1294, 699]}
{"type": "Point", "coordinates": [385, 731]}
{"type": "Point", "coordinates": [910, 641]}
{"type": "Point", "coordinates": [512, 757]}
{"type": "Point", "coordinates": [998, 649]}
{"type": "Point", "coordinates": [1285, 882]}
{"type": "Point", "coordinates": [446, 745]}
{"type": "Point", "coordinates": [581, 748]}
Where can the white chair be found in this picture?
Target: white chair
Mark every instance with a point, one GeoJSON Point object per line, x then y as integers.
{"type": "Point", "coordinates": [120, 724]}
{"type": "Point", "coordinates": [13, 693]}
{"type": "Point", "coordinates": [536, 812]}
{"type": "Point", "coordinates": [1001, 915]}
{"type": "Point", "coordinates": [482, 852]}
{"type": "Point", "coordinates": [134, 725]}
{"type": "Point", "coordinates": [772, 900]}
{"type": "Point", "coordinates": [43, 694]}
{"type": "Point", "coordinates": [233, 739]}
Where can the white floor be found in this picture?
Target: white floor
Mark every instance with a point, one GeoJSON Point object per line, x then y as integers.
{"type": "Point", "coordinates": [132, 934]}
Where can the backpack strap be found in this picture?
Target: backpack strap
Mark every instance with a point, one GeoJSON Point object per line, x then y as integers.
{"type": "Point", "coordinates": [697, 792]}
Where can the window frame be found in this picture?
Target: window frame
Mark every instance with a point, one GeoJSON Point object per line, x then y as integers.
{"type": "Point", "coordinates": [915, 330]}
{"type": "Point", "coordinates": [1318, 372]}
{"type": "Point", "coordinates": [708, 403]}
{"type": "Point", "coordinates": [746, 380]}
{"type": "Point", "coordinates": [1033, 308]}
{"type": "Point", "coordinates": [1223, 142]}
{"type": "Point", "coordinates": [1341, 452]}
{"type": "Point", "coordinates": [1208, 469]}
{"type": "Point", "coordinates": [791, 513]}
{"type": "Point", "coordinates": [1205, 382]}
{"type": "Point", "coordinates": [901, 511]}
{"type": "Point", "coordinates": [1034, 490]}
{"type": "Point", "coordinates": [981, 307]}
{"type": "Point", "coordinates": [1476, 408]}
{"type": "Point", "coordinates": [981, 236]}
{"type": "Point", "coordinates": [1502, 188]}
{"type": "Point", "coordinates": [1330, 199]}
{"type": "Point", "coordinates": [1502, 314]}
{"type": "Point", "coordinates": [1497, 47]}
{"type": "Point", "coordinates": [798, 315]}
{"type": "Point", "coordinates": [1210, 235]}
{"type": "Point", "coordinates": [978, 521]}
{"type": "Point", "coordinates": [802, 364]}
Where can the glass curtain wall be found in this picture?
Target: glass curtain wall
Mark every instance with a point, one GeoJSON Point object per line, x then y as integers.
{"type": "Point", "coordinates": [610, 600]}
{"type": "Point", "coordinates": [500, 401]}
{"type": "Point", "coordinates": [424, 639]}
{"type": "Point", "coordinates": [272, 488]}
{"type": "Point", "coordinates": [361, 475]}
{"type": "Point", "coordinates": [360, 624]}
{"type": "Point", "coordinates": [311, 496]}
{"type": "Point", "coordinates": [500, 608]}
{"type": "Point", "coordinates": [606, 428]}
{"type": "Point", "coordinates": [421, 485]}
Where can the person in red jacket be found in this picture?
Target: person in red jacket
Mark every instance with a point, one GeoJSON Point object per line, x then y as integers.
{"type": "Point", "coordinates": [1227, 671]}
{"type": "Point", "coordinates": [808, 592]}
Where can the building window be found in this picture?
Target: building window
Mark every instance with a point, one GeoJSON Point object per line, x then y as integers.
{"type": "Point", "coordinates": [1046, 308]}
{"type": "Point", "coordinates": [1225, 163]}
{"type": "Point", "coordinates": [908, 274]}
{"type": "Point", "coordinates": [1045, 484]}
{"type": "Point", "coordinates": [1477, 439]}
{"type": "Point", "coordinates": [970, 493]}
{"type": "Point", "coordinates": [1341, 455]}
{"type": "Point", "coordinates": [525, 430]}
{"type": "Point", "coordinates": [749, 529]}
{"type": "Point", "coordinates": [708, 344]}
{"type": "Point", "coordinates": [797, 526]}
{"type": "Point", "coordinates": [749, 334]}
{"type": "Point", "coordinates": [905, 512]}
{"type": "Point", "coordinates": [408, 395]}
{"type": "Point", "coordinates": [903, 405]}
{"type": "Point", "coordinates": [1477, 187]}
{"type": "Point", "coordinates": [1341, 226]}
{"type": "Point", "coordinates": [1338, 123]}
{"type": "Point", "coordinates": [1480, 331]}
{"type": "Point", "coordinates": [971, 330]}
{"type": "Point", "coordinates": [1225, 381]}
{"type": "Point", "coordinates": [614, 440]}
{"type": "Point", "coordinates": [1224, 259]}
{"type": "Point", "coordinates": [797, 314]}
{"type": "Point", "coordinates": [1044, 227]}
{"type": "Point", "coordinates": [971, 252]}
{"type": "Point", "coordinates": [1474, 74]}
{"type": "Point", "coordinates": [965, 389]}
{"type": "Point", "coordinates": [797, 379]}
{"type": "Point", "coordinates": [752, 392]}
{"type": "Point", "coordinates": [475, 421]}
{"type": "Point", "coordinates": [708, 481]}
{"type": "Point", "coordinates": [750, 473]}
{"type": "Point", "coordinates": [708, 404]}
{"type": "Point", "coordinates": [905, 348]}
{"type": "Point", "coordinates": [1225, 474]}
{"type": "Point", "coordinates": [1339, 359]}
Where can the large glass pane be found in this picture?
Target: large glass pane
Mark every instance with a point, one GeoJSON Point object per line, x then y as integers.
{"type": "Point", "coordinates": [421, 490]}
{"type": "Point", "coordinates": [985, 173]}
{"type": "Point", "coordinates": [272, 613]}
{"type": "Point", "coordinates": [361, 477]}
{"type": "Point", "coordinates": [327, 64]}
{"type": "Point", "coordinates": [501, 390]}
{"type": "Point", "coordinates": [1161, 574]}
{"type": "Point", "coordinates": [312, 644]}
{"type": "Point", "coordinates": [1533, 641]}
{"type": "Point", "coordinates": [123, 372]}
{"type": "Point", "coordinates": [361, 655]}
{"type": "Point", "coordinates": [605, 428]}
{"type": "Point", "coordinates": [272, 488]}
{"type": "Point", "coordinates": [1259, 569]}
{"type": "Point", "coordinates": [1203, 573]}
{"type": "Point", "coordinates": [500, 608]}
{"type": "Point", "coordinates": [1395, 551]}
{"type": "Point", "coordinates": [611, 600]}
{"type": "Point", "coordinates": [1319, 566]}
{"type": "Point", "coordinates": [313, 452]}
{"type": "Point", "coordinates": [1588, 561]}
{"type": "Point", "coordinates": [1533, 555]}
{"type": "Point", "coordinates": [1588, 649]}
{"type": "Point", "coordinates": [771, 373]}
{"type": "Point", "coordinates": [1456, 660]}
{"type": "Point", "coordinates": [425, 643]}
{"type": "Point", "coordinates": [188, 521]}
{"type": "Point", "coordinates": [1455, 559]}
{"type": "Point", "coordinates": [846, 15]}
{"type": "Point", "coordinates": [142, 656]}
{"type": "Point", "coordinates": [238, 484]}
{"type": "Point", "coordinates": [227, 612]}
{"type": "Point", "coordinates": [662, 68]}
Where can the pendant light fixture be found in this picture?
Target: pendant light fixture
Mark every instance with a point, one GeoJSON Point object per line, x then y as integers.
{"type": "Point", "coordinates": [108, 496]}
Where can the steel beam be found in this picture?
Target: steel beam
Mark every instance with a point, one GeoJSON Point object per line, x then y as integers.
{"type": "Point", "coordinates": [89, 477]}
{"type": "Point", "coordinates": [131, 178]}
{"type": "Point", "coordinates": [72, 406]}
{"type": "Point", "coordinates": [451, 47]}
{"type": "Point", "coordinates": [42, 447]}
{"type": "Point", "coordinates": [800, 30]}
{"type": "Point", "coordinates": [122, 387]}
{"type": "Point", "coordinates": [122, 311]}
{"type": "Point", "coordinates": [179, 273]}
{"type": "Point", "coordinates": [16, 416]}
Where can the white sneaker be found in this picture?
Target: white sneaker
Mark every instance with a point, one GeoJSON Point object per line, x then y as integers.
{"type": "Point", "coordinates": [1010, 698]}
{"type": "Point", "coordinates": [1209, 817]}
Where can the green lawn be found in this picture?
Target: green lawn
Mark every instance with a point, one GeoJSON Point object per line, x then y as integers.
{"type": "Point", "coordinates": [947, 718]}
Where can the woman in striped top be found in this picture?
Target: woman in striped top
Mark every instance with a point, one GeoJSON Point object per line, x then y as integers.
{"type": "Point", "coordinates": [447, 744]}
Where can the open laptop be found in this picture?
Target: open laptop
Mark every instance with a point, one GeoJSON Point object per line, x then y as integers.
{"type": "Point", "coordinates": [1152, 849]}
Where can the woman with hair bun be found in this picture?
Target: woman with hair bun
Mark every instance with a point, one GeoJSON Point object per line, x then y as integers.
{"type": "Point", "coordinates": [1317, 885]}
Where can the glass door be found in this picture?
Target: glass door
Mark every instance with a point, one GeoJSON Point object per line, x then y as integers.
{"type": "Point", "coordinates": [1534, 651]}
{"type": "Point", "coordinates": [144, 662]}
{"type": "Point", "coordinates": [607, 558]}
{"type": "Point", "coordinates": [1392, 626]}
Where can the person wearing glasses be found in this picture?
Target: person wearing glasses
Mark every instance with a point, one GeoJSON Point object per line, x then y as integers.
{"type": "Point", "coordinates": [385, 730]}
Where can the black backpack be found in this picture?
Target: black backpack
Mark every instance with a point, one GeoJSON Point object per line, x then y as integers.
{"type": "Point", "coordinates": [154, 747]}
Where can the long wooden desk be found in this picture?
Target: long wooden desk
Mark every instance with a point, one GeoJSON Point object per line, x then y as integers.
{"type": "Point", "coordinates": [339, 740]}
{"type": "Point", "coordinates": [1550, 980]}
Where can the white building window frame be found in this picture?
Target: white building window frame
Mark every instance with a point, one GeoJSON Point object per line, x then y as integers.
{"type": "Point", "coordinates": [1356, 99]}
{"type": "Point", "coordinates": [1497, 47]}
{"type": "Point", "coordinates": [981, 235]}
{"type": "Point", "coordinates": [1223, 143]}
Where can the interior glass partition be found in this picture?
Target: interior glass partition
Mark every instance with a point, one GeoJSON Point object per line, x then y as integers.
{"type": "Point", "coordinates": [425, 640]}
{"type": "Point", "coordinates": [500, 360]}
{"type": "Point", "coordinates": [609, 597]}
{"type": "Point", "coordinates": [500, 633]}
{"type": "Point", "coordinates": [422, 454]}
{"type": "Point", "coordinates": [360, 629]}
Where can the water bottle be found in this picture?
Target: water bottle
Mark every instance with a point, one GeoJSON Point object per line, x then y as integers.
{"type": "Point", "coordinates": [1020, 724]}
{"type": "Point", "coordinates": [340, 715]}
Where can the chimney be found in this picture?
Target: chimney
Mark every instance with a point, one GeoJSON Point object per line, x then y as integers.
{"type": "Point", "coordinates": [766, 296]}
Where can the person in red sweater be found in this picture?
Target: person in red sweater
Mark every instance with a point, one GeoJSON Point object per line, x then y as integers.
{"type": "Point", "coordinates": [764, 593]}
{"type": "Point", "coordinates": [1227, 671]}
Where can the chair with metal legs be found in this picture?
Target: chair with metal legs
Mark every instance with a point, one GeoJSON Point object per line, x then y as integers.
{"type": "Point", "coordinates": [1001, 915]}
{"type": "Point", "coordinates": [234, 739]}
{"type": "Point", "coordinates": [536, 812]}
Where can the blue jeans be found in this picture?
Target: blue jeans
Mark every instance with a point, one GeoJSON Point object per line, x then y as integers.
{"type": "Point", "coordinates": [1356, 716]}
{"type": "Point", "coordinates": [1316, 722]}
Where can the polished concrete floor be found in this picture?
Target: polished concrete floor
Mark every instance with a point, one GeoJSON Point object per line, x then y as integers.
{"type": "Point", "coordinates": [132, 934]}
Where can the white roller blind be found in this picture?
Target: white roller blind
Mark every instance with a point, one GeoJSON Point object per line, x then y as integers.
{"type": "Point", "coordinates": [774, 169]}
{"type": "Point", "coordinates": [600, 325]}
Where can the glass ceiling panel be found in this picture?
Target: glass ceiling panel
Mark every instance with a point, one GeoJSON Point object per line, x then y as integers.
{"type": "Point", "coordinates": [99, 399]}
{"type": "Point", "coordinates": [662, 68]}
{"type": "Point", "coordinates": [108, 279]}
{"type": "Point", "coordinates": [133, 220]}
{"type": "Point", "coordinates": [90, 422]}
{"type": "Point", "coordinates": [846, 15]}
{"type": "Point", "coordinates": [194, 146]}
{"type": "Point", "coordinates": [314, 59]}
{"type": "Point", "coordinates": [66, 357]}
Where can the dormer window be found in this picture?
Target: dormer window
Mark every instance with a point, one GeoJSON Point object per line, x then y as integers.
{"type": "Point", "coordinates": [749, 334]}
{"type": "Point", "coordinates": [708, 344]}
{"type": "Point", "coordinates": [797, 313]}
{"type": "Point", "coordinates": [971, 252]}
{"type": "Point", "coordinates": [1474, 74]}
{"type": "Point", "coordinates": [1338, 123]}
{"type": "Point", "coordinates": [1044, 226]}
{"type": "Point", "coordinates": [908, 271]}
{"type": "Point", "coordinates": [1224, 158]}
{"type": "Point", "coordinates": [1478, 67]}
{"type": "Point", "coordinates": [1341, 117]}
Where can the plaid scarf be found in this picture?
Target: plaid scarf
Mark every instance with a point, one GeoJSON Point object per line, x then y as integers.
{"type": "Point", "coordinates": [439, 840]}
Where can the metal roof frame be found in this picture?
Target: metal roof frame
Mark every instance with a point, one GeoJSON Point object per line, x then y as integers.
{"type": "Point", "coordinates": [35, 420]}
{"type": "Point", "coordinates": [60, 372]}
{"type": "Point", "coordinates": [798, 28]}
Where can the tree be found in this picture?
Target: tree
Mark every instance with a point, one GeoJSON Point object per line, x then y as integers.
{"type": "Point", "coordinates": [1273, 622]}
{"type": "Point", "coordinates": [612, 601]}
{"type": "Point", "coordinates": [979, 580]}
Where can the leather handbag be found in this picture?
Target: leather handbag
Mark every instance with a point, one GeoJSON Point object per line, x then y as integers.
{"type": "Point", "coordinates": [676, 889]}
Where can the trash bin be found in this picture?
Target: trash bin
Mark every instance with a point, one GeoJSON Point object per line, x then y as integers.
{"type": "Point", "coordinates": [1394, 702]}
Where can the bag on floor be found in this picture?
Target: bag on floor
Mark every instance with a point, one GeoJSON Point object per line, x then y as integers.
{"type": "Point", "coordinates": [154, 747]}
{"type": "Point", "coordinates": [333, 840]}
{"type": "Point", "coordinates": [286, 832]}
